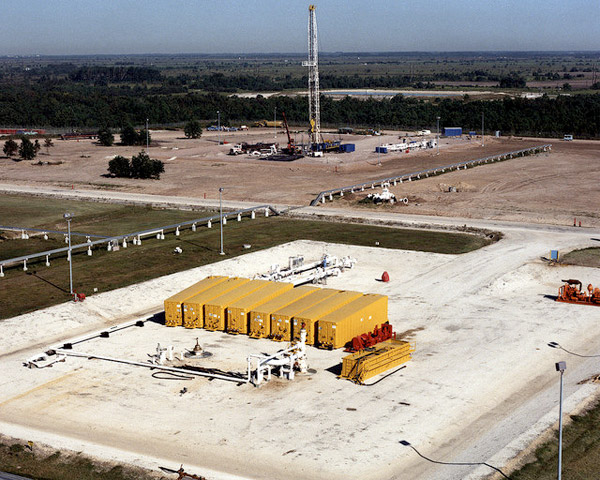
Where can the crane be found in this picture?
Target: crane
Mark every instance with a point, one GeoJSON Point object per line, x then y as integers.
{"type": "Point", "coordinates": [291, 148]}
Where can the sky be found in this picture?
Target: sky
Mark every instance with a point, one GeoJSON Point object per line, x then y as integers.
{"type": "Point", "coordinates": [73, 27]}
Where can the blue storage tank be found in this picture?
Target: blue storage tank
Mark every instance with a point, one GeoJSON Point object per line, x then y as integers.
{"type": "Point", "coordinates": [348, 147]}
{"type": "Point", "coordinates": [381, 150]}
{"type": "Point", "coordinates": [452, 131]}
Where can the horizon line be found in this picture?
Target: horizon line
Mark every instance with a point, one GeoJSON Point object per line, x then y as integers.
{"type": "Point", "coordinates": [247, 54]}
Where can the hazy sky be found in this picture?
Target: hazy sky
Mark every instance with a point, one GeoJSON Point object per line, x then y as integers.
{"type": "Point", "coordinates": [251, 26]}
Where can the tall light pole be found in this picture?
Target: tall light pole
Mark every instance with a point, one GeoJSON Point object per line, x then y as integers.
{"type": "Point", "coordinates": [147, 136]}
{"type": "Point", "coordinates": [560, 367]}
{"type": "Point", "coordinates": [219, 125]}
{"type": "Point", "coordinates": [482, 130]}
{"type": "Point", "coordinates": [221, 213]}
{"type": "Point", "coordinates": [68, 217]}
{"type": "Point", "coordinates": [438, 135]}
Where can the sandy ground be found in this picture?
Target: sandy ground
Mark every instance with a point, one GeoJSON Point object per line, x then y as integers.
{"type": "Point", "coordinates": [482, 375]}
{"type": "Point", "coordinates": [551, 188]}
{"type": "Point", "coordinates": [482, 383]}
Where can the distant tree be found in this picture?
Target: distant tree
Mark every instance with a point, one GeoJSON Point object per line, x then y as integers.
{"type": "Point", "coordinates": [105, 137]}
{"type": "Point", "coordinates": [48, 143]}
{"type": "Point", "coordinates": [120, 167]}
{"type": "Point", "coordinates": [142, 166]}
{"type": "Point", "coordinates": [512, 81]}
{"type": "Point", "coordinates": [192, 129]}
{"type": "Point", "coordinates": [567, 87]}
{"type": "Point", "coordinates": [37, 146]}
{"type": "Point", "coordinates": [27, 150]}
{"type": "Point", "coordinates": [595, 86]}
{"type": "Point", "coordinates": [128, 135]}
{"type": "Point", "coordinates": [10, 147]}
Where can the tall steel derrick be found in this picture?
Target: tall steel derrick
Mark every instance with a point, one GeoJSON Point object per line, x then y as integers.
{"type": "Point", "coordinates": [314, 110]}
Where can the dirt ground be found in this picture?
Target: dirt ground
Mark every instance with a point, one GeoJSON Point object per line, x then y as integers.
{"type": "Point", "coordinates": [473, 318]}
{"type": "Point", "coordinates": [552, 188]}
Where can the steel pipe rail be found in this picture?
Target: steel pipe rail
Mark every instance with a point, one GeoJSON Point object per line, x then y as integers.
{"type": "Point", "coordinates": [43, 230]}
{"type": "Point", "coordinates": [141, 233]}
{"type": "Point", "coordinates": [409, 177]}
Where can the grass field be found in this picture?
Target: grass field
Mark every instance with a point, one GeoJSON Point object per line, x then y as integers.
{"type": "Point", "coordinates": [581, 452]}
{"type": "Point", "coordinates": [18, 459]}
{"type": "Point", "coordinates": [585, 257]}
{"type": "Point", "coordinates": [41, 286]}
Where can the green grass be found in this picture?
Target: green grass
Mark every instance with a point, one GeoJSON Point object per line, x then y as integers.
{"type": "Point", "coordinates": [20, 460]}
{"type": "Point", "coordinates": [42, 286]}
{"type": "Point", "coordinates": [581, 452]}
{"type": "Point", "coordinates": [585, 257]}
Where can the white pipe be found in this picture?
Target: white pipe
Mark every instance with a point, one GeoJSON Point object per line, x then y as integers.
{"type": "Point", "coordinates": [90, 356]}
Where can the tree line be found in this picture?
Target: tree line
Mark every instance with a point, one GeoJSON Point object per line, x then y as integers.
{"type": "Point", "coordinates": [91, 107]}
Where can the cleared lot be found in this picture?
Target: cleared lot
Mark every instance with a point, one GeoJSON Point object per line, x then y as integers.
{"type": "Point", "coordinates": [473, 316]}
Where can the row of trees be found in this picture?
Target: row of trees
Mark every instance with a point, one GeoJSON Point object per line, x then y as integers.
{"type": "Point", "coordinates": [28, 150]}
{"type": "Point", "coordinates": [129, 136]}
{"type": "Point", "coordinates": [140, 166]}
{"type": "Point", "coordinates": [87, 107]}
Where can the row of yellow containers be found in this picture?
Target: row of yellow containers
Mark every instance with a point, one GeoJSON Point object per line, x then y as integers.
{"type": "Point", "coordinates": [275, 310]}
{"type": "Point", "coordinates": [361, 366]}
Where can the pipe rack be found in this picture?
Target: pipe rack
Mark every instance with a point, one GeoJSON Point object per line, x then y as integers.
{"type": "Point", "coordinates": [409, 177]}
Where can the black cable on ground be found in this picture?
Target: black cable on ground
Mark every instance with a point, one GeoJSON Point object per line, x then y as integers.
{"type": "Point", "coordinates": [169, 376]}
{"type": "Point", "coordinates": [407, 444]}
{"type": "Point", "coordinates": [383, 378]}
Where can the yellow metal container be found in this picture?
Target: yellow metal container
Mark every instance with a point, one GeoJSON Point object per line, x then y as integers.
{"type": "Point", "coordinates": [193, 308]}
{"type": "Point", "coordinates": [281, 320]}
{"type": "Point", "coordinates": [215, 310]}
{"type": "Point", "coordinates": [238, 313]}
{"type": "Point", "coordinates": [312, 315]}
{"type": "Point", "coordinates": [384, 356]}
{"type": "Point", "coordinates": [355, 318]}
{"type": "Point", "coordinates": [173, 304]}
{"type": "Point", "coordinates": [260, 317]}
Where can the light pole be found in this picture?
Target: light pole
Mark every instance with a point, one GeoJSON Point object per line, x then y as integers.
{"type": "Point", "coordinates": [219, 125]}
{"type": "Point", "coordinates": [221, 213]}
{"type": "Point", "coordinates": [147, 136]}
{"type": "Point", "coordinates": [438, 135]}
{"type": "Point", "coordinates": [482, 130]}
{"type": "Point", "coordinates": [560, 367]}
{"type": "Point", "coordinates": [275, 122]}
{"type": "Point", "coordinates": [68, 217]}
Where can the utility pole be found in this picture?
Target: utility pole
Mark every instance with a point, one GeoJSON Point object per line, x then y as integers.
{"type": "Point", "coordinates": [221, 213]}
{"type": "Point", "coordinates": [275, 123]}
{"type": "Point", "coordinates": [438, 135]}
{"type": "Point", "coordinates": [147, 136]}
{"type": "Point", "coordinates": [68, 217]}
{"type": "Point", "coordinates": [482, 130]}
{"type": "Point", "coordinates": [219, 125]}
{"type": "Point", "coordinates": [560, 367]}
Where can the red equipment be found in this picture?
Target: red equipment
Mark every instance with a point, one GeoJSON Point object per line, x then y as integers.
{"type": "Point", "coordinates": [571, 292]}
{"type": "Point", "coordinates": [360, 342]}
{"type": "Point", "coordinates": [385, 277]}
{"type": "Point", "coordinates": [291, 148]}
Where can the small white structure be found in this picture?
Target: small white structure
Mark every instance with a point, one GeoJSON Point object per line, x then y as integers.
{"type": "Point", "coordinates": [285, 362]}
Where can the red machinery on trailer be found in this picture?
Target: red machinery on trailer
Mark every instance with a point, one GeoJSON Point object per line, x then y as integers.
{"type": "Point", "coordinates": [380, 334]}
{"type": "Point", "coordinates": [572, 292]}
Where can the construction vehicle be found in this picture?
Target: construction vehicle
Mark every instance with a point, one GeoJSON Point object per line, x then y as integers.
{"type": "Point", "coordinates": [572, 292]}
